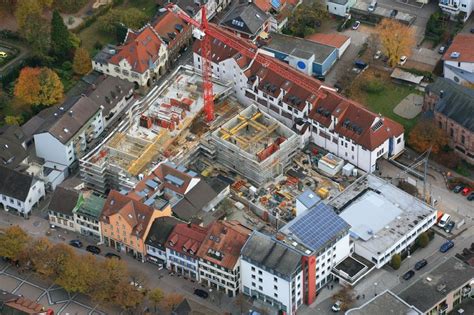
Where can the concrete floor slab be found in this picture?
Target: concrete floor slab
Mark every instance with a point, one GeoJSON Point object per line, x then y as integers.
{"type": "Point", "coordinates": [410, 106]}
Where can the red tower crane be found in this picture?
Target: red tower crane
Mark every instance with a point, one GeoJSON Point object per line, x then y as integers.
{"type": "Point", "coordinates": [204, 31]}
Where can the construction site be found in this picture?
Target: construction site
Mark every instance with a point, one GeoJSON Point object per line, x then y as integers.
{"type": "Point", "coordinates": [135, 147]}
{"type": "Point", "coordinates": [255, 145]}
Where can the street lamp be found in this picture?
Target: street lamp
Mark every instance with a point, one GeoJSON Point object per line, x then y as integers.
{"type": "Point", "coordinates": [375, 288]}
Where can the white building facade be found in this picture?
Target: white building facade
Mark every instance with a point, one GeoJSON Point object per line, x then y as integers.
{"type": "Point", "coordinates": [455, 8]}
{"type": "Point", "coordinates": [363, 154]}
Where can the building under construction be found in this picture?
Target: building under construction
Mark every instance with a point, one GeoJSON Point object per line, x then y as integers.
{"type": "Point", "coordinates": [255, 145]}
{"type": "Point", "coordinates": [136, 145]}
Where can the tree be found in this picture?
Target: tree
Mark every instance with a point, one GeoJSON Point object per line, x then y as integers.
{"type": "Point", "coordinates": [39, 86]}
{"type": "Point", "coordinates": [13, 120]}
{"type": "Point", "coordinates": [82, 62]}
{"type": "Point", "coordinates": [425, 135]}
{"type": "Point", "coordinates": [423, 240]}
{"type": "Point", "coordinates": [13, 242]}
{"type": "Point", "coordinates": [305, 19]}
{"type": "Point", "coordinates": [128, 296]}
{"type": "Point", "coordinates": [36, 31]}
{"type": "Point", "coordinates": [396, 261]}
{"type": "Point", "coordinates": [397, 39]}
{"type": "Point", "coordinates": [171, 301]}
{"type": "Point", "coordinates": [105, 286]}
{"type": "Point", "coordinates": [27, 9]}
{"type": "Point", "coordinates": [156, 296]}
{"type": "Point", "coordinates": [130, 18]}
{"type": "Point", "coordinates": [60, 37]}
{"type": "Point", "coordinates": [77, 273]}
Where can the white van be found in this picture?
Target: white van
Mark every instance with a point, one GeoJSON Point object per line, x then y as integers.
{"type": "Point", "coordinates": [444, 220]}
{"type": "Point", "coordinates": [372, 6]}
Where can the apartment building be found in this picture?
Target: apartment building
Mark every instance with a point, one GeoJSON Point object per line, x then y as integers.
{"type": "Point", "coordinates": [219, 256]}
{"type": "Point", "coordinates": [156, 240]}
{"type": "Point", "coordinates": [461, 9]}
{"type": "Point", "coordinates": [272, 272]}
{"type": "Point", "coordinates": [322, 116]}
{"type": "Point", "coordinates": [61, 208]}
{"type": "Point", "coordinates": [452, 106]}
{"type": "Point", "coordinates": [141, 59]}
{"type": "Point", "coordinates": [248, 21]}
{"type": "Point", "coordinates": [125, 223]}
{"type": "Point", "coordinates": [67, 139]}
{"type": "Point", "coordinates": [175, 32]}
{"type": "Point", "coordinates": [19, 192]}
{"type": "Point", "coordinates": [458, 60]}
{"type": "Point", "coordinates": [87, 215]}
{"type": "Point", "coordinates": [182, 247]}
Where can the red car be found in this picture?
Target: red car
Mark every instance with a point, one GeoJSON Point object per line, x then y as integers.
{"type": "Point", "coordinates": [466, 191]}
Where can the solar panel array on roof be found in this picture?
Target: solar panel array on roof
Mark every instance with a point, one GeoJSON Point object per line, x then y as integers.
{"type": "Point", "coordinates": [181, 168]}
{"type": "Point", "coordinates": [191, 173]}
{"type": "Point", "coordinates": [151, 183]}
{"type": "Point", "coordinates": [174, 180]}
{"type": "Point", "coordinates": [149, 201]}
{"type": "Point", "coordinates": [318, 226]}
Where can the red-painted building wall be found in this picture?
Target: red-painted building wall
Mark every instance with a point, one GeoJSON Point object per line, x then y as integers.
{"type": "Point", "coordinates": [309, 279]}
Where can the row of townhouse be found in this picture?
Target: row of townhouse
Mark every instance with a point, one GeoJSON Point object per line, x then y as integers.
{"type": "Point", "coordinates": [146, 54]}
{"type": "Point", "coordinates": [333, 122]}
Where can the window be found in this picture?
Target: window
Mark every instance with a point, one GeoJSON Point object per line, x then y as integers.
{"type": "Point", "coordinates": [399, 140]}
{"type": "Point", "coordinates": [260, 288]}
{"type": "Point", "coordinates": [260, 280]}
{"type": "Point", "coordinates": [259, 272]}
{"type": "Point", "coordinates": [253, 276]}
{"type": "Point", "coordinates": [253, 284]}
{"type": "Point", "coordinates": [275, 295]}
{"type": "Point", "coordinates": [462, 139]}
{"type": "Point", "coordinates": [275, 279]}
{"type": "Point", "coordinates": [451, 132]}
{"type": "Point", "coordinates": [275, 287]}
{"type": "Point", "coordinates": [253, 268]}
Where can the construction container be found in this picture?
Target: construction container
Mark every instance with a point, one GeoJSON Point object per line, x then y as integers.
{"type": "Point", "coordinates": [323, 192]}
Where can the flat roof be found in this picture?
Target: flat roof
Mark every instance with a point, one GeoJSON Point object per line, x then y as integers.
{"type": "Point", "coordinates": [446, 277]}
{"type": "Point", "coordinates": [299, 47]}
{"type": "Point", "coordinates": [379, 213]}
{"type": "Point", "coordinates": [386, 302]}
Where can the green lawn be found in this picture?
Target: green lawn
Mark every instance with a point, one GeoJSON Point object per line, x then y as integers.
{"type": "Point", "coordinates": [385, 101]}
{"type": "Point", "coordinates": [147, 6]}
{"type": "Point", "coordinates": [91, 35]}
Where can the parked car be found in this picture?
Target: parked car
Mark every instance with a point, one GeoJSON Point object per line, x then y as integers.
{"type": "Point", "coordinates": [446, 246]}
{"type": "Point", "coordinates": [372, 6]}
{"type": "Point", "coordinates": [75, 243]}
{"type": "Point", "coordinates": [471, 196]}
{"type": "Point", "coordinates": [457, 189]}
{"type": "Point", "coordinates": [93, 249]}
{"type": "Point", "coordinates": [201, 293]}
{"type": "Point", "coordinates": [444, 220]}
{"type": "Point", "coordinates": [360, 64]}
{"type": "Point", "coordinates": [403, 60]}
{"type": "Point", "coordinates": [466, 191]}
{"type": "Point", "coordinates": [112, 255]}
{"type": "Point", "coordinates": [442, 49]}
{"type": "Point", "coordinates": [472, 30]}
{"type": "Point", "coordinates": [336, 307]}
{"type": "Point", "coordinates": [3, 54]}
{"type": "Point", "coordinates": [408, 275]}
{"type": "Point", "coordinates": [421, 264]}
{"type": "Point", "coordinates": [377, 55]}
{"type": "Point", "coordinates": [449, 227]}
{"type": "Point", "coordinates": [356, 25]}
{"type": "Point", "coordinates": [393, 13]}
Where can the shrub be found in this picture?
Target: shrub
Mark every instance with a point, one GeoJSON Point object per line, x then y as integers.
{"type": "Point", "coordinates": [373, 87]}
{"type": "Point", "coordinates": [396, 261]}
{"type": "Point", "coordinates": [423, 240]}
{"type": "Point", "coordinates": [67, 65]}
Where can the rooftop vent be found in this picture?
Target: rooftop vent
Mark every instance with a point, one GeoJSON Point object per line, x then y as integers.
{"type": "Point", "coordinates": [455, 54]}
{"type": "Point", "coordinates": [66, 130]}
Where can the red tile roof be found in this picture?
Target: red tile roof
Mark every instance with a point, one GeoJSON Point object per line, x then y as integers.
{"type": "Point", "coordinates": [167, 169]}
{"type": "Point", "coordinates": [140, 49]}
{"type": "Point", "coordinates": [136, 214]}
{"type": "Point", "coordinates": [463, 44]}
{"type": "Point", "coordinates": [167, 24]}
{"type": "Point", "coordinates": [335, 104]}
{"type": "Point", "coordinates": [333, 40]}
{"type": "Point", "coordinates": [227, 238]}
{"type": "Point", "coordinates": [186, 238]}
{"type": "Point", "coordinates": [264, 5]}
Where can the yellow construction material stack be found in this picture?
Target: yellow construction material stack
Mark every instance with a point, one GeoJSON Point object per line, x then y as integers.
{"type": "Point", "coordinates": [323, 193]}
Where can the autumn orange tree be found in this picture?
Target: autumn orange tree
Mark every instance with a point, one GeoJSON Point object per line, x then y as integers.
{"type": "Point", "coordinates": [171, 301]}
{"type": "Point", "coordinates": [425, 135]}
{"type": "Point", "coordinates": [12, 242]}
{"type": "Point", "coordinates": [397, 39]}
{"type": "Point", "coordinates": [82, 62]}
{"type": "Point", "coordinates": [39, 86]}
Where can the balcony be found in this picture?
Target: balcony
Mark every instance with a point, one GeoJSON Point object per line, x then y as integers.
{"type": "Point", "coordinates": [466, 290]}
{"type": "Point", "coordinates": [452, 7]}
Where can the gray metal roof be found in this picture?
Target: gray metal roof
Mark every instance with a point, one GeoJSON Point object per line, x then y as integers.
{"type": "Point", "coordinates": [14, 184]}
{"type": "Point", "coordinates": [387, 302]}
{"type": "Point", "coordinates": [110, 92]}
{"type": "Point", "coordinates": [299, 47]}
{"type": "Point", "coordinates": [245, 18]}
{"type": "Point", "coordinates": [273, 255]}
{"type": "Point", "coordinates": [308, 198]}
{"type": "Point", "coordinates": [457, 102]}
{"type": "Point", "coordinates": [64, 200]}
{"type": "Point", "coordinates": [446, 277]}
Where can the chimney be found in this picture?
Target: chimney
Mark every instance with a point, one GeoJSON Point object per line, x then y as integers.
{"type": "Point", "coordinates": [189, 225]}
{"type": "Point", "coordinates": [70, 113]}
{"type": "Point", "coordinates": [441, 94]}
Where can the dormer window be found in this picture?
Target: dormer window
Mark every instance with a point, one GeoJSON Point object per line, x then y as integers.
{"type": "Point", "coordinates": [171, 243]}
